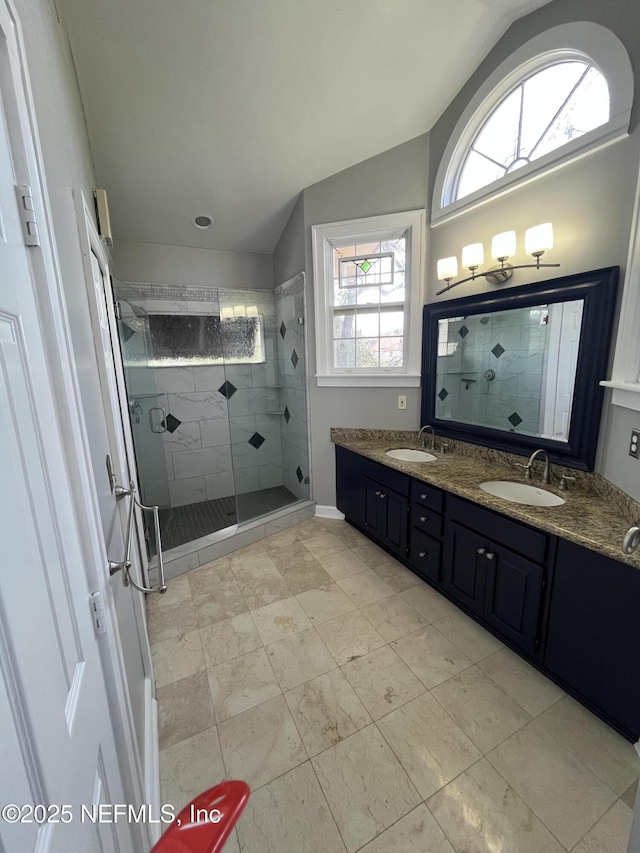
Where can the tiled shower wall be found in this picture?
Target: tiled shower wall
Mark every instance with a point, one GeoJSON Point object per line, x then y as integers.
{"type": "Point", "coordinates": [219, 418]}
{"type": "Point", "coordinates": [229, 427]}
{"type": "Point", "coordinates": [512, 345]}
{"type": "Point", "coordinates": [290, 317]}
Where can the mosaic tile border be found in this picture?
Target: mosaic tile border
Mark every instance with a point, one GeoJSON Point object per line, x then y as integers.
{"type": "Point", "coordinates": [290, 287]}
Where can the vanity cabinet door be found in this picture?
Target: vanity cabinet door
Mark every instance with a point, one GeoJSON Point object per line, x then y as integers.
{"type": "Point", "coordinates": [593, 637]}
{"type": "Point", "coordinates": [465, 567]}
{"type": "Point", "coordinates": [396, 512]}
{"type": "Point", "coordinates": [385, 516]}
{"type": "Point", "coordinates": [373, 509]}
{"type": "Point", "coordinates": [350, 494]}
{"type": "Point", "coordinates": [513, 595]}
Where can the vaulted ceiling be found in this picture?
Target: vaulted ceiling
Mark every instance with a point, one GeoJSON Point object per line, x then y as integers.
{"type": "Point", "coordinates": [230, 107]}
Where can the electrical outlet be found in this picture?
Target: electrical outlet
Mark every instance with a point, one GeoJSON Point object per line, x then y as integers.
{"type": "Point", "coordinates": [634, 444]}
{"type": "Point", "coordinates": [402, 401]}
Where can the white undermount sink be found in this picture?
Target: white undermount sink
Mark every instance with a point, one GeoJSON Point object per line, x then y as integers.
{"type": "Point", "coordinates": [521, 493]}
{"type": "Point", "coordinates": [407, 454]}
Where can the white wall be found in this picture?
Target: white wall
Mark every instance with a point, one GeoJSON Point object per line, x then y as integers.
{"type": "Point", "coordinates": [178, 265]}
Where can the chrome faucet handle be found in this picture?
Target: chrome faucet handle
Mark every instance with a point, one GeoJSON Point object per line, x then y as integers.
{"type": "Point", "coordinates": [444, 447]}
{"type": "Point", "coordinates": [527, 469]}
{"type": "Point", "coordinates": [562, 485]}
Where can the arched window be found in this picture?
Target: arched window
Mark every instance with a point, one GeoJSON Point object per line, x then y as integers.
{"type": "Point", "coordinates": [565, 93]}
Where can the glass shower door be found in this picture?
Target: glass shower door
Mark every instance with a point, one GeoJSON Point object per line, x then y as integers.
{"type": "Point", "coordinates": [148, 412]}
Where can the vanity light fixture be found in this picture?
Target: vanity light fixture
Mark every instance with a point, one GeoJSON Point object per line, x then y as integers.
{"type": "Point", "coordinates": [537, 241]}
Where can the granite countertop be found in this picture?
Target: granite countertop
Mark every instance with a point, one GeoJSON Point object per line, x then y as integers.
{"type": "Point", "coordinates": [596, 514]}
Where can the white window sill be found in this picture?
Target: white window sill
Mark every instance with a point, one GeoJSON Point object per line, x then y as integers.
{"type": "Point", "coordinates": [625, 394]}
{"type": "Point", "coordinates": [370, 380]}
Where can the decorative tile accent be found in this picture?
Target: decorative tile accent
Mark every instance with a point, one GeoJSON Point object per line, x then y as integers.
{"type": "Point", "coordinates": [463, 332]}
{"type": "Point", "coordinates": [290, 287]}
{"type": "Point", "coordinates": [299, 474]}
{"type": "Point", "coordinates": [171, 423]}
{"type": "Point", "coordinates": [287, 414]}
{"type": "Point", "coordinates": [294, 359]}
{"type": "Point", "coordinates": [498, 350]}
{"type": "Point", "coordinates": [514, 419]}
{"type": "Point", "coordinates": [443, 394]}
{"type": "Point", "coordinates": [283, 329]}
{"type": "Point", "coordinates": [227, 390]}
{"type": "Point", "coordinates": [256, 440]}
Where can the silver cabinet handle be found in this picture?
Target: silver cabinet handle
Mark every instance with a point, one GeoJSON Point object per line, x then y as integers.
{"type": "Point", "coordinates": [378, 494]}
{"type": "Point", "coordinates": [422, 554]}
{"type": "Point", "coordinates": [382, 495]}
{"type": "Point", "coordinates": [631, 540]}
{"type": "Point", "coordinates": [423, 497]}
{"type": "Point", "coordinates": [423, 518]}
{"type": "Point", "coordinates": [162, 421]}
{"type": "Point", "coordinates": [481, 551]}
{"type": "Point", "coordinates": [490, 556]}
{"type": "Point", "coordinates": [124, 565]}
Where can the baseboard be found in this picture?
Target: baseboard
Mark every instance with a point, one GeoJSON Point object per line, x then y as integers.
{"type": "Point", "coordinates": [151, 758]}
{"type": "Point", "coordinates": [328, 512]}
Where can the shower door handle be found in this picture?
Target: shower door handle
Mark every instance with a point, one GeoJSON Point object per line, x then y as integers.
{"type": "Point", "coordinates": [163, 420]}
{"type": "Point", "coordinates": [124, 565]}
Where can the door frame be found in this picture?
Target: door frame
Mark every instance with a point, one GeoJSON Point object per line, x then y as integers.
{"type": "Point", "coordinates": [121, 442]}
{"type": "Point", "coordinates": [56, 337]}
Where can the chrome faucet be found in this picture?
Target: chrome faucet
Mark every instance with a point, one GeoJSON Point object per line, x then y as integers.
{"type": "Point", "coordinates": [423, 440]}
{"type": "Point", "coordinates": [546, 477]}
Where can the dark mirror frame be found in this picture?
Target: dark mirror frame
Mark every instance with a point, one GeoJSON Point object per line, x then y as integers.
{"type": "Point", "coordinates": [598, 289]}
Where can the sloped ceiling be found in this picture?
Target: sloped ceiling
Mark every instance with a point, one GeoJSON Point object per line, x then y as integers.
{"type": "Point", "coordinates": [230, 107]}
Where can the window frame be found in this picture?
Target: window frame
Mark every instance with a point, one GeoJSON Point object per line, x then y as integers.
{"type": "Point", "coordinates": [625, 374]}
{"type": "Point", "coordinates": [370, 229]}
{"type": "Point", "coordinates": [578, 41]}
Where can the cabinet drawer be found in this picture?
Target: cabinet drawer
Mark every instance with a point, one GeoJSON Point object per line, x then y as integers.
{"type": "Point", "coordinates": [426, 520]}
{"type": "Point", "coordinates": [424, 555]}
{"type": "Point", "coordinates": [427, 495]}
{"type": "Point", "coordinates": [386, 476]}
{"type": "Point", "coordinates": [515, 535]}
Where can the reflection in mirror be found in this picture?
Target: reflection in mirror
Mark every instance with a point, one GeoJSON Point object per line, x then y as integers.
{"type": "Point", "coordinates": [519, 369]}
{"type": "Point", "coordinates": [511, 370]}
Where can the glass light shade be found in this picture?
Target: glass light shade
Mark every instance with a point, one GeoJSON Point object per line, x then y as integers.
{"type": "Point", "coordinates": [447, 268]}
{"type": "Point", "coordinates": [503, 245]}
{"type": "Point", "coordinates": [252, 310]}
{"type": "Point", "coordinates": [473, 255]}
{"type": "Point", "coordinates": [539, 238]}
{"type": "Point", "coordinates": [239, 311]}
{"type": "Point", "coordinates": [226, 313]}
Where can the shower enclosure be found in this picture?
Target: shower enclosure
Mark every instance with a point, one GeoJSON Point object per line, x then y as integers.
{"type": "Point", "coordinates": [216, 383]}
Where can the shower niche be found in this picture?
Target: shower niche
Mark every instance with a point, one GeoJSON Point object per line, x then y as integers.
{"type": "Point", "coordinates": [216, 381]}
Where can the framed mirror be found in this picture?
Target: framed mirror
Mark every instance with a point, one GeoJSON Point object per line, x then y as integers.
{"type": "Point", "coordinates": [519, 369]}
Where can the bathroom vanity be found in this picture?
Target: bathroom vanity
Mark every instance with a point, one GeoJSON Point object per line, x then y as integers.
{"type": "Point", "coordinates": [550, 582]}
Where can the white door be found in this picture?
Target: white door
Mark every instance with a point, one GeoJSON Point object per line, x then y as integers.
{"type": "Point", "coordinates": [129, 603]}
{"type": "Point", "coordinates": [56, 737]}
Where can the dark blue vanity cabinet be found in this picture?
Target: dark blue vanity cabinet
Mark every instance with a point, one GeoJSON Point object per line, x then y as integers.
{"type": "Point", "coordinates": [573, 613]}
{"type": "Point", "coordinates": [375, 498]}
{"type": "Point", "coordinates": [497, 569]}
{"type": "Point", "coordinates": [426, 527]}
{"type": "Point", "coordinates": [593, 634]}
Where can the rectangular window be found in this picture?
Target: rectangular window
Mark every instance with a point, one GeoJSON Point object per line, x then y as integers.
{"type": "Point", "coordinates": [368, 305]}
{"type": "Point", "coordinates": [369, 276]}
{"type": "Point", "coordinates": [182, 340]}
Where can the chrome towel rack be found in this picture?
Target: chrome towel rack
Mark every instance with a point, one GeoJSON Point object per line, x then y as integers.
{"type": "Point", "coordinates": [124, 565]}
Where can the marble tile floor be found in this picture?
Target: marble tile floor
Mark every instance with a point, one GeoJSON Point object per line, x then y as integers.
{"type": "Point", "coordinates": [367, 713]}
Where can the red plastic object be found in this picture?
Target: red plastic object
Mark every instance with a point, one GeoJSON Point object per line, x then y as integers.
{"type": "Point", "coordinates": [205, 823]}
